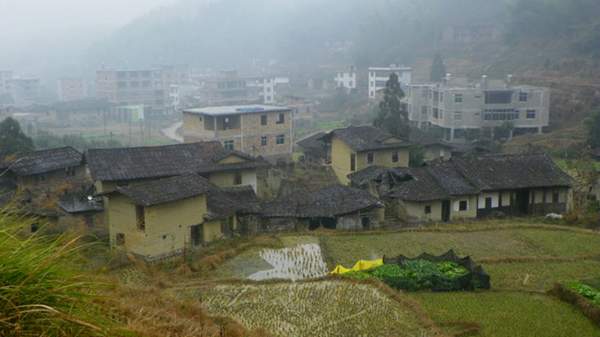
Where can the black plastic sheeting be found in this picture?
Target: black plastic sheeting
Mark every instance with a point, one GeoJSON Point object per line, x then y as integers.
{"type": "Point", "coordinates": [477, 278]}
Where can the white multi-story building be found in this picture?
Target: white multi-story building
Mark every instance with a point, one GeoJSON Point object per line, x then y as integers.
{"type": "Point", "coordinates": [5, 76]}
{"type": "Point", "coordinates": [457, 105]}
{"type": "Point", "coordinates": [268, 87]}
{"type": "Point", "coordinates": [346, 79]}
{"type": "Point", "coordinates": [378, 77]}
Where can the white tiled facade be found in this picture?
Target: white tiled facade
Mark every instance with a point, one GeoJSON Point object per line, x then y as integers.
{"type": "Point", "coordinates": [487, 104]}
{"type": "Point", "coordinates": [378, 77]}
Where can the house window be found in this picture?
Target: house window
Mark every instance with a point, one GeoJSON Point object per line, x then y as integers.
{"type": "Point", "coordinates": [458, 115]}
{"type": "Point", "coordinates": [40, 178]}
{"type": "Point", "coordinates": [458, 98]}
{"type": "Point", "coordinates": [34, 227]}
{"type": "Point", "coordinates": [395, 157]}
{"type": "Point", "coordinates": [555, 198]}
{"type": "Point", "coordinates": [281, 119]}
{"type": "Point", "coordinates": [428, 209]}
{"type": "Point", "coordinates": [463, 205]}
{"type": "Point", "coordinates": [120, 239]}
{"type": "Point", "coordinates": [280, 139]}
{"type": "Point", "coordinates": [70, 171]}
{"type": "Point", "coordinates": [237, 178]}
{"type": "Point", "coordinates": [353, 162]}
{"type": "Point", "coordinates": [531, 114]}
{"type": "Point", "coordinates": [370, 157]}
{"type": "Point", "coordinates": [263, 120]}
{"type": "Point", "coordinates": [140, 217]}
{"type": "Point", "coordinates": [488, 203]}
{"type": "Point", "coordinates": [263, 141]}
{"type": "Point", "coordinates": [229, 145]}
{"type": "Point", "coordinates": [523, 97]}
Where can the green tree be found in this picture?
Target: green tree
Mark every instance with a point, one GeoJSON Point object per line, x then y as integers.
{"type": "Point", "coordinates": [438, 69]}
{"type": "Point", "coordinates": [12, 139]}
{"type": "Point", "coordinates": [593, 128]}
{"type": "Point", "coordinates": [392, 115]}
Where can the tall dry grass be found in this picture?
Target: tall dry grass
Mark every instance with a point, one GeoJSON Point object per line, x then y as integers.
{"type": "Point", "coordinates": [41, 291]}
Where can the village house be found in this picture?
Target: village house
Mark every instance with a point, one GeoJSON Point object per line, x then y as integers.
{"type": "Point", "coordinates": [314, 149]}
{"type": "Point", "coordinates": [44, 175]}
{"type": "Point", "coordinates": [470, 187]}
{"type": "Point", "coordinates": [164, 217]}
{"type": "Point", "coordinates": [358, 147]}
{"type": "Point", "coordinates": [254, 129]}
{"type": "Point", "coordinates": [333, 207]}
{"type": "Point", "coordinates": [110, 168]}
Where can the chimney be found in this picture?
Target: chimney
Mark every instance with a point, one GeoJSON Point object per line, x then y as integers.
{"type": "Point", "coordinates": [509, 79]}
{"type": "Point", "coordinates": [484, 82]}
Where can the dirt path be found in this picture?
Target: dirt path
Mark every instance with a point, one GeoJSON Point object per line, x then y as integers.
{"type": "Point", "coordinates": [171, 132]}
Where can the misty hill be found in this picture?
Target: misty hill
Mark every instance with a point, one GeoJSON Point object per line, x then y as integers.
{"type": "Point", "coordinates": [235, 32]}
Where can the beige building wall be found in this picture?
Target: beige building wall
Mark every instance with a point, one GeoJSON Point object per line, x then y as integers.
{"type": "Point", "coordinates": [416, 211]}
{"type": "Point", "coordinates": [341, 155]}
{"type": "Point", "coordinates": [248, 137]}
{"type": "Point", "coordinates": [471, 211]}
{"type": "Point", "coordinates": [167, 226]}
{"type": "Point", "coordinates": [227, 179]}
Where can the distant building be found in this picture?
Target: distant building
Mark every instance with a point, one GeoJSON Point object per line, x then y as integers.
{"type": "Point", "coordinates": [24, 91]}
{"type": "Point", "coordinates": [358, 147]}
{"type": "Point", "coordinates": [131, 87]}
{"type": "Point", "coordinates": [457, 105]}
{"type": "Point", "coordinates": [254, 129]}
{"type": "Point", "coordinates": [72, 89]}
{"type": "Point", "coordinates": [346, 79]}
{"type": "Point", "coordinates": [228, 87]}
{"type": "Point", "coordinates": [378, 77]}
{"type": "Point", "coordinates": [268, 88]}
{"type": "Point", "coordinates": [5, 76]}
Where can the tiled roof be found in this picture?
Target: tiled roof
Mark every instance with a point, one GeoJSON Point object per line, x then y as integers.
{"type": "Point", "coordinates": [166, 190]}
{"type": "Point", "coordinates": [503, 172]}
{"type": "Point", "coordinates": [44, 161]}
{"type": "Point", "coordinates": [466, 176]}
{"type": "Point", "coordinates": [228, 201]}
{"type": "Point", "coordinates": [163, 161]}
{"type": "Point", "coordinates": [313, 142]}
{"type": "Point", "coordinates": [367, 138]}
{"type": "Point", "coordinates": [328, 202]}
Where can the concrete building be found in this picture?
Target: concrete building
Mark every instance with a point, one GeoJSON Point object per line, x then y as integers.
{"type": "Point", "coordinates": [24, 91]}
{"type": "Point", "coordinates": [268, 89]}
{"type": "Point", "coordinates": [346, 79]}
{"type": "Point", "coordinates": [72, 89]}
{"type": "Point", "coordinates": [378, 77]}
{"type": "Point", "coordinates": [254, 129]}
{"type": "Point", "coordinates": [5, 76]}
{"type": "Point", "coordinates": [131, 87]}
{"type": "Point", "coordinates": [457, 106]}
{"type": "Point", "coordinates": [228, 87]}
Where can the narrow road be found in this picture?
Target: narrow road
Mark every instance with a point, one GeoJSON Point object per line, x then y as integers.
{"type": "Point", "coordinates": [171, 132]}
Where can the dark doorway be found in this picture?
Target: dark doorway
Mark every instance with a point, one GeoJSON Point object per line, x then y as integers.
{"type": "Point", "coordinates": [366, 222]}
{"type": "Point", "coordinates": [522, 202]}
{"type": "Point", "coordinates": [328, 223]}
{"type": "Point", "coordinates": [488, 203]}
{"type": "Point", "coordinates": [446, 210]}
{"type": "Point", "coordinates": [196, 233]}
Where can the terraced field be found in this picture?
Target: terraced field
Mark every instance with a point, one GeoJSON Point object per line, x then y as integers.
{"type": "Point", "coordinates": [325, 309]}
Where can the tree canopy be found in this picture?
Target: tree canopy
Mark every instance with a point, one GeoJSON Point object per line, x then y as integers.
{"type": "Point", "coordinates": [13, 140]}
{"type": "Point", "coordinates": [392, 115]}
{"type": "Point", "coordinates": [593, 127]}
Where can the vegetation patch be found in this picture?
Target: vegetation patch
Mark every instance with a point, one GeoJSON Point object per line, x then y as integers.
{"type": "Point", "coordinates": [581, 295]}
{"type": "Point", "coordinates": [324, 308]}
{"type": "Point", "coordinates": [297, 263]}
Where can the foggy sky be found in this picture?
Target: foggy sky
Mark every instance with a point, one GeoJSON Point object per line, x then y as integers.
{"type": "Point", "coordinates": [31, 19]}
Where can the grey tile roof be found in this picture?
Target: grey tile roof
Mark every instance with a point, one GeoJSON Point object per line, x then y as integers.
{"type": "Point", "coordinates": [367, 138]}
{"type": "Point", "coordinates": [45, 161]}
{"type": "Point", "coordinates": [228, 201]}
{"type": "Point", "coordinates": [504, 172]}
{"type": "Point", "coordinates": [466, 176]}
{"type": "Point", "coordinates": [166, 190]}
{"type": "Point", "coordinates": [123, 164]}
{"type": "Point", "coordinates": [328, 202]}
{"type": "Point", "coordinates": [313, 142]}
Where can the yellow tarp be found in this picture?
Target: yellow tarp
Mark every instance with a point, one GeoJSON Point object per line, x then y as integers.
{"type": "Point", "coordinates": [361, 265]}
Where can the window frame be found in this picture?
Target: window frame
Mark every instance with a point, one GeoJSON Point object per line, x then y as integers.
{"type": "Point", "coordinates": [140, 218]}
{"type": "Point", "coordinates": [264, 120]}
{"type": "Point", "coordinates": [229, 145]}
{"type": "Point", "coordinates": [370, 158]}
{"type": "Point", "coordinates": [280, 140]}
{"type": "Point", "coordinates": [427, 209]}
{"type": "Point", "coordinates": [395, 157]}
{"type": "Point", "coordinates": [281, 118]}
{"type": "Point", "coordinates": [264, 141]}
{"type": "Point", "coordinates": [466, 205]}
